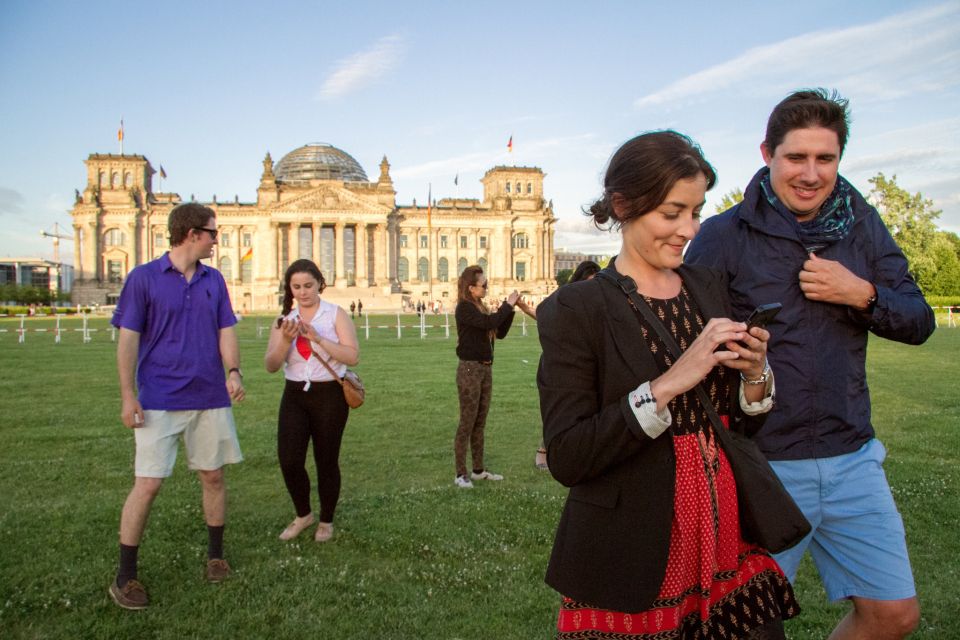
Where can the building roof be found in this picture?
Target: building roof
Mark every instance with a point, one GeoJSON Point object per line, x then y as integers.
{"type": "Point", "coordinates": [318, 161]}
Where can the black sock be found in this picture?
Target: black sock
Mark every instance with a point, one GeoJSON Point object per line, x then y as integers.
{"type": "Point", "coordinates": [214, 542]}
{"type": "Point", "coordinates": [478, 471]}
{"type": "Point", "coordinates": [128, 564]}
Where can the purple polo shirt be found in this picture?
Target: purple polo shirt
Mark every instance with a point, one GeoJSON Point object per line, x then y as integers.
{"type": "Point", "coordinates": [179, 365]}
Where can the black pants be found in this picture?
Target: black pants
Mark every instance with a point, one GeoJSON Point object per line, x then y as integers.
{"type": "Point", "coordinates": [318, 414]}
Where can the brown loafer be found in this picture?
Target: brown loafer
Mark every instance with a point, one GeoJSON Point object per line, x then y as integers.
{"type": "Point", "coordinates": [131, 596]}
{"type": "Point", "coordinates": [217, 570]}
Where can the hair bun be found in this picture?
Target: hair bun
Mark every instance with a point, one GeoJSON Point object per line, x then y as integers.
{"type": "Point", "coordinates": [601, 211]}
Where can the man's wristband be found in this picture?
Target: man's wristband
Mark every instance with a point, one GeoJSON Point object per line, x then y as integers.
{"type": "Point", "coordinates": [237, 369]}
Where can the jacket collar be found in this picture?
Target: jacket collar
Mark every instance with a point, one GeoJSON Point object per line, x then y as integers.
{"type": "Point", "coordinates": [757, 212]}
{"type": "Point", "coordinates": [623, 319]}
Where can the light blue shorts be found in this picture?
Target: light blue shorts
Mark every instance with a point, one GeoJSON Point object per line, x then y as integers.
{"type": "Point", "coordinates": [857, 542]}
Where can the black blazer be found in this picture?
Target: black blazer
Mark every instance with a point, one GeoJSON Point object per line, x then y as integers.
{"type": "Point", "coordinates": [613, 539]}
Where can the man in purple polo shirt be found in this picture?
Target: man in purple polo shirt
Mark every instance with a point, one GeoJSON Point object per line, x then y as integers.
{"type": "Point", "coordinates": [177, 334]}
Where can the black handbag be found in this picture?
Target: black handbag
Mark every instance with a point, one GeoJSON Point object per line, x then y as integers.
{"type": "Point", "coordinates": [769, 517]}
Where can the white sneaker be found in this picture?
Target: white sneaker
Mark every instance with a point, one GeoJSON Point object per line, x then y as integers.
{"type": "Point", "coordinates": [486, 475]}
{"type": "Point", "coordinates": [463, 482]}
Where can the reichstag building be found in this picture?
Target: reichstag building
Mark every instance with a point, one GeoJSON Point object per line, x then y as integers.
{"type": "Point", "coordinates": [318, 203]}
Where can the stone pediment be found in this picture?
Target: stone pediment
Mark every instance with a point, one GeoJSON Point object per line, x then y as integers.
{"type": "Point", "coordinates": [331, 198]}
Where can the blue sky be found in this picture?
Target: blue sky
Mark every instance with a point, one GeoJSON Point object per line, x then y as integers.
{"type": "Point", "coordinates": [206, 89]}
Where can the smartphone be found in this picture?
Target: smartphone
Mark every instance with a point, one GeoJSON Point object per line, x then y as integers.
{"type": "Point", "coordinates": [762, 315]}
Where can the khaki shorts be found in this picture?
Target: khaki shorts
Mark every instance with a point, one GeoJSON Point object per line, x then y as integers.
{"type": "Point", "coordinates": [209, 436]}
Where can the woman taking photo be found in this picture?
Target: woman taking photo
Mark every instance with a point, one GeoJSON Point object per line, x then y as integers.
{"type": "Point", "coordinates": [649, 543]}
{"type": "Point", "coordinates": [312, 406]}
{"type": "Point", "coordinates": [476, 330]}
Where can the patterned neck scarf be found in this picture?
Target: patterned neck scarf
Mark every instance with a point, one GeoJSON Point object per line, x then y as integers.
{"type": "Point", "coordinates": [833, 223]}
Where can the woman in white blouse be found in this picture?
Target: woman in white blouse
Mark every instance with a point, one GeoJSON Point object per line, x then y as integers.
{"type": "Point", "coordinates": [312, 406]}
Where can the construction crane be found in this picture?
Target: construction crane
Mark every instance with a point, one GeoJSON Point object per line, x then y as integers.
{"type": "Point", "coordinates": [56, 236]}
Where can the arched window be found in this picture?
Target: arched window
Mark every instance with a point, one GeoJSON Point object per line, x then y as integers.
{"type": "Point", "coordinates": [246, 271]}
{"type": "Point", "coordinates": [518, 188]}
{"type": "Point", "coordinates": [116, 179]}
{"type": "Point", "coordinates": [113, 238]}
{"type": "Point", "coordinates": [226, 268]}
{"type": "Point", "coordinates": [443, 270]}
{"type": "Point", "coordinates": [508, 187]}
{"type": "Point", "coordinates": [423, 270]}
{"type": "Point", "coordinates": [521, 241]}
{"type": "Point", "coordinates": [403, 270]}
{"type": "Point", "coordinates": [529, 187]}
{"type": "Point", "coordinates": [128, 180]}
{"type": "Point", "coordinates": [483, 265]}
{"type": "Point", "coordinates": [461, 265]}
{"type": "Point", "coordinates": [104, 180]}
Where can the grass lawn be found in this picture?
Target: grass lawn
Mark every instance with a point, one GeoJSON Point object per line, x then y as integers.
{"type": "Point", "coordinates": [413, 556]}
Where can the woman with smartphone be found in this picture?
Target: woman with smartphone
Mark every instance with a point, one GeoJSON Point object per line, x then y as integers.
{"type": "Point", "coordinates": [312, 407]}
{"type": "Point", "coordinates": [649, 543]}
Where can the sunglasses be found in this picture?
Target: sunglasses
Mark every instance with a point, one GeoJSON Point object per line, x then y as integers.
{"type": "Point", "coordinates": [484, 285]}
{"type": "Point", "coordinates": [213, 232]}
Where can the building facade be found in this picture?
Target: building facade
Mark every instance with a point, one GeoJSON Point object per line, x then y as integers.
{"type": "Point", "coordinates": [318, 203]}
{"type": "Point", "coordinates": [36, 272]}
{"type": "Point", "coordinates": [563, 259]}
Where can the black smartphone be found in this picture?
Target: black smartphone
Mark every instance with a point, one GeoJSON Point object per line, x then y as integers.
{"type": "Point", "coordinates": [763, 314]}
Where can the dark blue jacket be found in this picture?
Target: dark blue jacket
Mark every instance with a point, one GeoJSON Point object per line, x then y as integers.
{"type": "Point", "coordinates": [817, 349]}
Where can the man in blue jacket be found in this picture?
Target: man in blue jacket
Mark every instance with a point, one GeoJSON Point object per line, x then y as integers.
{"type": "Point", "coordinates": [805, 237]}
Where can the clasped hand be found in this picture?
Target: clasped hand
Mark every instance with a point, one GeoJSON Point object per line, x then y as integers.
{"type": "Point", "coordinates": [739, 349]}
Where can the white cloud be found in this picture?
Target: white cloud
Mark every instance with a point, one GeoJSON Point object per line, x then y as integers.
{"type": "Point", "coordinates": [360, 69]}
{"type": "Point", "coordinates": [909, 53]}
{"type": "Point", "coordinates": [483, 160]}
{"type": "Point", "coordinates": [11, 202]}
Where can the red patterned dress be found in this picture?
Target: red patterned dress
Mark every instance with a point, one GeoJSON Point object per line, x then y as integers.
{"type": "Point", "coordinates": [716, 585]}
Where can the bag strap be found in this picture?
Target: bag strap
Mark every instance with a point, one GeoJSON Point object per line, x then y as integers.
{"type": "Point", "coordinates": [324, 362]}
{"type": "Point", "coordinates": [629, 287]}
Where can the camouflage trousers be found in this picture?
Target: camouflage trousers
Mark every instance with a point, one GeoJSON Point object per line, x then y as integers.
{"type": "Point", "coordinates": [474, 386]}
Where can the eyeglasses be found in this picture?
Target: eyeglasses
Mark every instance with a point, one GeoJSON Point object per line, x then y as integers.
{"type": "Point", "coordinates": [213, 232]}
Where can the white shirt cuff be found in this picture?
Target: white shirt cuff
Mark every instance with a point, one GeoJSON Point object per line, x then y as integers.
{"type": "Point", "coordinates": [644, 407]}
{"type": "Point", "coordinates": [764, 404]}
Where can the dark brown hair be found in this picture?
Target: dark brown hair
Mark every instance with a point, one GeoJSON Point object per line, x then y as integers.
{"type": "Point", "coordinates": [643, 171]}
{"type": "Point", "coordinates": [808, 108]}
{"type": "Point", "coordinates": [185, 217]}
{"type": "Point", "coordinates": [584, 271]}
{"type": "Point", "coordinates": [467, 279]}
{"type": "Point", "coordinates": [298, 266]}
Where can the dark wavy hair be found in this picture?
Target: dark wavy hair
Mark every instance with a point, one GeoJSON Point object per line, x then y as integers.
{"type": "Point", "coordinates": [584, 271]}
{"type": "Point", "coordinates": [808, 108]}
{"type": "Point", "coordinates": [467, 279]}
{"type": "Point", "coordinates": [643, 171]}
{"type": "Point", "coordinates": [298, 266]}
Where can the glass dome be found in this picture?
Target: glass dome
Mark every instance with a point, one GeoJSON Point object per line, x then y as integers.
{"type": "Point", "coordinates": [318, 161]}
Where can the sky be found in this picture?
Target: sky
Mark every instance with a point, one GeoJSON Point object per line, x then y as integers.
{"type": "Point", "coordinates": [207, 89]}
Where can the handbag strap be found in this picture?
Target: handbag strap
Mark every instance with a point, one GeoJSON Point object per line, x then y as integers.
{"type": "Point", "coordinates": [629, 287]}
{"type": "Point", "coordinates": [324, 362]}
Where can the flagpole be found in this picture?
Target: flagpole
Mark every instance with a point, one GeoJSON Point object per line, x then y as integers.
{"type": "Point", "coordinates": [430, 238]}
{"type": "Point", "coordinates": [120, 135]}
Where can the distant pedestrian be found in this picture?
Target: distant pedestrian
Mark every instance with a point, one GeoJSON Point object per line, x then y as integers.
{"type": "Point", "coordinates": [353, 308]}
{"type": "Point", "coordinates": [477, 329]}
{"type": "Point", "coordinates": [359, 308]}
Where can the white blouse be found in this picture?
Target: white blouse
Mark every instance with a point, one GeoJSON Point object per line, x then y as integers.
{"type": "Point", "coordinates": [297, 368]}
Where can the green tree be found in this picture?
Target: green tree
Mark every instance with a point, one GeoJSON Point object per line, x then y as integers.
{"type": "Point", "coordinates": [563, 276]}
{"type": "Point", "coordinates": [729, 199]}
{"type": "Point", "coordinates": [911, 220]}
